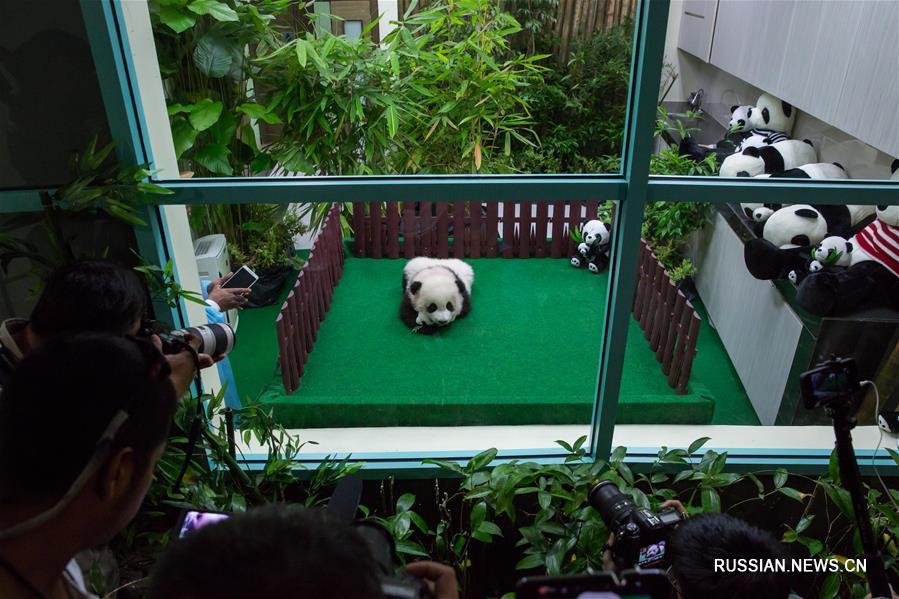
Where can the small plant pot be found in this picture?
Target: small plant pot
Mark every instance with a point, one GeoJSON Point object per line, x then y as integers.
{"type": "Point", "coordinates": [268, 287]}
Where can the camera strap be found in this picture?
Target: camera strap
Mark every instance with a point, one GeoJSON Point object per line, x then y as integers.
{"type": "Point", "coordinates": [193, 434]}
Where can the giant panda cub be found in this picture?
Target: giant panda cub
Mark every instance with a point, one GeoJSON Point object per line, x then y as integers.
{"type": "Point", "coordinates": [435, 293]}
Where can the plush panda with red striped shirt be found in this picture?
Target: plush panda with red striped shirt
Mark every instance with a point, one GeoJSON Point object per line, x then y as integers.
{"type": "Point", "coordinates": [871, 277]}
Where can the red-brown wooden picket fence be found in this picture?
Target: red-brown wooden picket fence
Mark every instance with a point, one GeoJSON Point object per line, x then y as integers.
{"type": "Point", "coordinates": [667, 319]}
{"type": "Point", "coordinates": [472, 230]}
{"type": "Point", "coordinates": [308, 302]}
{"type": "Point", "coordinates": [468, 229]}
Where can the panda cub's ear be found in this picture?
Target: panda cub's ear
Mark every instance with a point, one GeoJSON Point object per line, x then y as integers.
{"type": "Point", "coordinates": [414, 287]}
{"type": "Point", "coordinates": [787, 108]}
{"type": "Point", "coordinates": [752, 151]}
{"type": "Point", "coordinates": [894, 166]}
{"type": "Point", "coordinates": [766, 115]}
{"type": "Point", "coordinates": [848, 247]}
{"type": "Point", "coordinates": [460, 285]}
{"type": "Point", "coordinates": [733, 108]}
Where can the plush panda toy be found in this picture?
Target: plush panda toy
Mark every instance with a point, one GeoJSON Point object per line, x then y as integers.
{"type": "Point", "coordinates": [871, 277]}
{"type": "Point", "coordinates": [739, 119]}
{"type": "Point", "coordinates": [435, 293]}
{"type": "Point", "coordinates": [759, 213]}
{"type": "Point", "coordinates": [832, 251]}
{"type": "Point", "coordinates": [772, 114]}
{"type": "Point", "coordinates": [594, 250]}
{"type": "Point", "coordinates": [781, 156]}
{"type": "Point", "coordinates": [769, 121]}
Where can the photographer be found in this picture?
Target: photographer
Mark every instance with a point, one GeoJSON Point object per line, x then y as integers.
{"type": "Point", "coordinates": [283, 551]}
{"type": "Point", "coordinates": [700, 540]}
{"type": "Point", "coordinates": [697, 542]}
{"type": "Point", "coordinates": [83, 421]}
{"type": "Point", "coordinates": [89, 295]}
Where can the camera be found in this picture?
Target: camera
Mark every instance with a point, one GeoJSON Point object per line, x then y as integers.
{"type": "Point", "coordinates": [215, 339]}
{"type": "Point", "coordinates": [382, 546]}
{"type": "Point", "coordinates": [831, 383]}
{"type": "Point", "coordinates": [641, 535]}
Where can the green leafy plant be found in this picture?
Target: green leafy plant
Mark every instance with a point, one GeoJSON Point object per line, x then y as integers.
{"type": "Point", "coordinates": [163, 285]}
{"type": "Point", "coordinates": [581, 108]}
{"type": "Point", "coordinates": [205, 49]}
{"type": "Point", "coordinates": [100, 184]}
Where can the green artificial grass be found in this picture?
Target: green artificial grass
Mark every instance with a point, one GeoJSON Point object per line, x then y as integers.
{"type": "Point", "coordinates": [527, 354]}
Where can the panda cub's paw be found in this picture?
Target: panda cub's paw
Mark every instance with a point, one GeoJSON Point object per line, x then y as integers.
{"type": "Point", "coordinates": [575, 261]}
{"type": "Point", "coordinates": [593, 268]}
{"type": "Point", "coordinates": [815, 266]}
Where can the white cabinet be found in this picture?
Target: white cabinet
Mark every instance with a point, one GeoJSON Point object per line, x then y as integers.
{"type": "Point", "coordinates": [696, 27]}
{"type": "Point", "coordinates": [836, 60]}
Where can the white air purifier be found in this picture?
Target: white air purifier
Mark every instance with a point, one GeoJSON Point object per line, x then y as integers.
{"type": "Point", "coordinates": [211, 253]}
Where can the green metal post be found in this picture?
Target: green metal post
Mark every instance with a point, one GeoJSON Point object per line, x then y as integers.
{"type": "Point", "coordinates": [649, 45]}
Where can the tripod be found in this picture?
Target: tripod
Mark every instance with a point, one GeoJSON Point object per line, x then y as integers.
{"type": "Point", "coordinates": [842, 414]}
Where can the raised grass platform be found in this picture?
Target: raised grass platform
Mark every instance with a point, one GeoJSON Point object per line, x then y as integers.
{"type": "Point", "coordinates": [527, 354]}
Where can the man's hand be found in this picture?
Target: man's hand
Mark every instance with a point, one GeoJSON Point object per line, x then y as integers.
{"type": "Point", "coordinates": [441, 578]}
{"type": "Point", "coordinates": [182, 365]}
{"type": "Point", "coordinates": [677, 505]}
{"type": "Point", "coordinates": [227, 299]}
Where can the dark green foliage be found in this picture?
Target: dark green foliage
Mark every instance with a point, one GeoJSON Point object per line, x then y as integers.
{"type": "Point", "coordinates": [580, 107]}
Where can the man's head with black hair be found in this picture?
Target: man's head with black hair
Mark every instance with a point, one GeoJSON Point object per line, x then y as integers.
{"type": "Point", "coordinates": [57, 405]}
{"type": "Point", "coordinates": [90, 295]}
{"type": "Point", "coordinates": [283, 551]}
{"type": "Point", "coordinates": [699, 541]}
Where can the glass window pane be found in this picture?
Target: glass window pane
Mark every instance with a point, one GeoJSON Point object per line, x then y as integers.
{"type": "Point", "coordinates": [728, 314]}
{"type": "Point", "coordinates": [807, 101]}
{"type": "Point", "coordinates": [352, 29]}
{"type": "Point", "coordinates": [50, 102]}
{"type": "Point", "coordinates": [475, 88]}
{"type": "Point", "coordinates": [492, 340]}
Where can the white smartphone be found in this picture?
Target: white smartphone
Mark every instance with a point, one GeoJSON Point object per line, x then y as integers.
{"type": "Point", "coordinates": [244, 278]}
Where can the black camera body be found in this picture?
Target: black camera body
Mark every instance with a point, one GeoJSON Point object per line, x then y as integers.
{"type": "Point", "coordinates": [641, 535]}
{"type": "Point", "coordinates": [394, 585]}
{"type": "Point", "coordinates": [832, 384]}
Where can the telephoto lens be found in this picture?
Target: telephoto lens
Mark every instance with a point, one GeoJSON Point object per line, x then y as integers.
{"type": "Point", "coordinates": [215, 339]}
{"type": "Point", "coordinates": [614, 506]}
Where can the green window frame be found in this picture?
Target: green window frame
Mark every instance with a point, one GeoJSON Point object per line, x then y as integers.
{"type": "Point", "coordinates": [632, 188]}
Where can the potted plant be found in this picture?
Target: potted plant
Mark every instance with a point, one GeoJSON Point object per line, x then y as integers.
{"type": "Point", "coordinates": [260, 236]}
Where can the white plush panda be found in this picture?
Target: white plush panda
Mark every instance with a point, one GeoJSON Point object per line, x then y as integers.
{"type": "Point", "coordinates": [795, 226]}
{"type": "Point", "coordinates": [769, 121]}
{"type": "Point", "coordinates": [772, 114]}
{"type": "Point", "coordinates": [739, 119]}
{"type": "Point", "coordinates": [435, 293]}
{"type": "Point", "coordinates": [832, 251]}
{"type": "Point", "coordinates": [595, 232]}
{"type": "Point", "coordinates": [783, 155]}
{"type": "Point", "coordinates": [817, 170]}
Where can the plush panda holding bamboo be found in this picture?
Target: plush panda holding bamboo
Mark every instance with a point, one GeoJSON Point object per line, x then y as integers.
{"type": "Point", "coordinates": [435, 293]}
{"type": "Point", "coordinates": [593, 252]}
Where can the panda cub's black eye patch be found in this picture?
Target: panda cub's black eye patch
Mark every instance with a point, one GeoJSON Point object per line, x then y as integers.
{"type": "Point", "coordinates": [449, 306]}
{"type": "Point", "coordinates": [432, 308]}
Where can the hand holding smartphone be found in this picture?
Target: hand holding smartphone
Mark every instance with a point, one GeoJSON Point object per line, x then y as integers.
{"type": "Point", "coordinates": [244, 278]}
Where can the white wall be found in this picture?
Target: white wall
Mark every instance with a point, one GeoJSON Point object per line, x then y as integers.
{"type": "Point", "coordinates": [861, 160]}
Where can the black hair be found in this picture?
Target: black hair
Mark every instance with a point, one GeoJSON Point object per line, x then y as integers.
{"type": "Point", "coordinates": [278, 550]}
{"type": "Point", "coordinates": [89, 295]}
{"type": "Point", "coordinates": [699, 541]}
{"type": "Point", "coordinates": [63, 395]}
